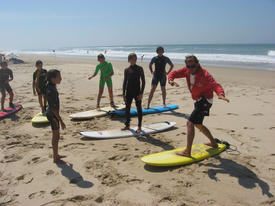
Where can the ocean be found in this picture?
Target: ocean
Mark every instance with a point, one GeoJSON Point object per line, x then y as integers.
{"type": "Point", "coordinates": [250, 56]}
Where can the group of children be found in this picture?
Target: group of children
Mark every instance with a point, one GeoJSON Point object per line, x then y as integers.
{"type": "Point", "coordinates": [200, 84]}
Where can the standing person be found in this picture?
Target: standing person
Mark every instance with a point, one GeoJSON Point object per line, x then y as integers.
{"type": "Point", "coordinates": [39, 84]}
{"type": "Point", "coordinates": [159, 74]}
{"type": "Point", "coordinates": [106, 73]}
{"type": "Point", "coordinates": [6, 76]}
{"type": "Point", "coordinates": [52, 113]}
{"type": "Point", "coordinates": [201, 85]}
{"type": "Point", "coordinates": [132, 89]}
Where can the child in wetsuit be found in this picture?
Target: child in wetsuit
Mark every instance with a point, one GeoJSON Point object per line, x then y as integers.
{"type": "Point", "coordinates": [106, 73]}
{"type": "Point", "coordinates": [6, 76]}
{"type": "Point", "coordinates": [133, 90]}
{"type": "Point", "coordinates": [39, 84]}
{"type": "Point", "coordinates": [52, 113]}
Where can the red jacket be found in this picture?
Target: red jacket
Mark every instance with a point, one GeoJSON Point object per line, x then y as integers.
{"type": "Point", "coordinates": [204, 84]}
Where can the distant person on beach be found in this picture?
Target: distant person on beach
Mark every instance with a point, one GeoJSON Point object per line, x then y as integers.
{"type": "Point", "coordinates": [201, 85]}
{"type": "Point", "coordinates": [39, 84]}
{"type": "Point", "coordinates": [6, 76]}
{"type": "Point", "coordinates": [159, 74]}
{"type": "Point", "coordinates": [52, 113]}
{"type": "Point", "coordinates": [106, 73]}
{"type": "Point", "coordinates": [133, 88]}
{"type": "Point", "coordinates": [142, 56]}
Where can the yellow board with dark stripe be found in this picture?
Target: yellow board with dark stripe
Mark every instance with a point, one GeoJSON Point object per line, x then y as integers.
{"type": "Point", "coordinates": [169, 158]}
{"type": "Point", "coordinates": [40, 119]}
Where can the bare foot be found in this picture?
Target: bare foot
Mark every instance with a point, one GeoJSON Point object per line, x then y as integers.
{"type": "Point", "coordinates": [58, 158]}
{"type": "Point", "coordinates": [98, 108]}
{"type": "Point", "coordinates": [125, 128]}
{"type": "Point", "coordinates": [164, 106]}
{"type": "Point", "coordinates": [183, 153]}
{"type": "Point", "coordinates": [148, 107]}
{"type": "Point", "coordinates": [212, 145]}
{"type": "Point", "coordinates": [138, 130]}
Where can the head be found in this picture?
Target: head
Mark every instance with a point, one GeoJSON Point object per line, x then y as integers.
{"type": "Point", "coordinates": [160, 51]}
{"type": "Point", "coordinates": [54, 76]}
{"type": "Point", "coordinates": [101, 58]}
{"type": "Point", "coordinates": [4, 65]}
{"type": "Point", "coordinates": [132, 58]}
{"type": "Point", "coordinates": [192, 63]}
{"type": "Point", "coordinates": [39, 64]}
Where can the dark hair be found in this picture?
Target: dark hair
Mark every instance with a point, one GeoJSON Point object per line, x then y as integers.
{"type": "Point", "coordinates": [4, 63]}
{"type": "Point", "coordinates": [132, 55]}
{"type": "Point", "coordinates": [38, 62]}
{"type": "Point", "coordinates": [52, 73]}
{"type": "Point", "coordinates": [191, 58]}
{"type": "Point", "coordinates": [160, 48]}
{"type": "Point", "coordinates": [100, 56]}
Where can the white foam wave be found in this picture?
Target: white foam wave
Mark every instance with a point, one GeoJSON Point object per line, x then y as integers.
{"type": "Point", "coordinates": [271, 53]}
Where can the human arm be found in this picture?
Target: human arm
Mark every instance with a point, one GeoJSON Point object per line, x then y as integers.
{"type": "Point", "coordinates": [180, 73]}
{"type": "Point", "coordinates": [171, 65]}
{"type": "Point", "coordinates": [125, 81]}
{"type": "Point", "coordinates": [95, 73]}
{"type": "Point", "coordinates": [33, 83]}
{"type": "Point", "coordinates": [142, 84]}
{"type": "Point", "coordinates": [151, 65]}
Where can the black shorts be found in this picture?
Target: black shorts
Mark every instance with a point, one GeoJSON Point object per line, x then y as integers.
{"type": "Point", "coordinates": [53, 121]}
{"type": "Point", "coordinates": [5, 87]}
{"type": "Point", "coordinates": [202, 108]}
{"type": "Point", "coordinates": [40, 90]}
{"type": "Point", "coordinates": [159, 78]}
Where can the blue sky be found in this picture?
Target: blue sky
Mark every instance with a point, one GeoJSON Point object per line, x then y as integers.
{"type": "Point", "coordinates": [39, 24]}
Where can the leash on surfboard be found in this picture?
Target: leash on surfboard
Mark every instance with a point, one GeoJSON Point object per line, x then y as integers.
{"type": "Point", "coordinates": [230, 149]}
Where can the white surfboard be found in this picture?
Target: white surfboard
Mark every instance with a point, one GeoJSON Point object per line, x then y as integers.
{"type": "Point", "coordinates": [118, 133]}
{"type": "Point", "coordinates": [95, 113]}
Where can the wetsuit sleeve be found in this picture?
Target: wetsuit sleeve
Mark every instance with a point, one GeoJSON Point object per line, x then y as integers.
{"type": "Point", "coordinates": [34, 76]}
{"type": "Point", "coordinates": [96, 69]}
{"type": "Point", "coordinates": [111, 68]}
{"type": "Point", "coordinates": [153, 60]}
{"type": "Point", "coordinates": [212, 84]}
{"type": "Point", "coordinates": [168, 61]}
{"type": "Point", "coordinates": [142, 80]}
{"type": "Point", "coordinates": [11, 74]}
{"type": "Point", "coordinates": [180, 73]}
{"type": "Point", "coordinates": [52, 99]}
{"type": "Point", "coordinates": [125, 82]}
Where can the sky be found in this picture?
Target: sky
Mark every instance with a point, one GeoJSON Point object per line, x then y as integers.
{"type": "Point", "coordinates": [52, 24]}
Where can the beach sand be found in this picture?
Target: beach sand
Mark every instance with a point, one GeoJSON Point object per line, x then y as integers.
{"type": "Point", "coordinates": [110, 172]}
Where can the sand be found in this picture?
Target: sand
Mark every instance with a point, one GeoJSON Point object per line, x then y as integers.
{"type": "Point", "coordinates": [110, 172]}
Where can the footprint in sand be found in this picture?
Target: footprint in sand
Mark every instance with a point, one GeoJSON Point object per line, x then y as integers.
{"type": "Point", "coordinates": [12, 158]}
{"type": "Point", "coordinates": [271, 128]}
{"type": "Point", "coordinates": [50, 172]}
{"type": "Point", "coordinates": [257, 114]}
{"type": "Point", "coordinates": [37, 160]}
{"type": "Point", "coordinates": [35, 194]}
{"type": "Point", "coordinates": [233, 114]}
{"type": "Point", "coordinates": [57, 191]}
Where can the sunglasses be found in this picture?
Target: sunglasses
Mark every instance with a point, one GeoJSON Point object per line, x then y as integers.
{"type": "Point", "coordinates": [191, 66]}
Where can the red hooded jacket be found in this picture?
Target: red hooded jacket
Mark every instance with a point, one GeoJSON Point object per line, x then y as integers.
{"type": "Point", "coordinates": [204, 84]}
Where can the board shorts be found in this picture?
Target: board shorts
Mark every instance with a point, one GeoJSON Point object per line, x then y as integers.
{"type": "Point", "coordinates": [53, 121]}
{"type": "Point", "coordinates": [108, 82]}
{"type": "Point", "coordinates": [159, 79]}
{"type": "Point", "coordinates": [5, 87]}
{"type": "Point", "coordinates": [40, 90]}
{"type": "Point", "coordinates": [202, 108]}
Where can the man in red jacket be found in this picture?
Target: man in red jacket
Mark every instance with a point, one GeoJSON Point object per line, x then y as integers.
{"type": "Point", "coordinates": [201, 85]}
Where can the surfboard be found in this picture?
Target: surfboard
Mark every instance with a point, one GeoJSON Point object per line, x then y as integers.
{"type": "Point", "coordinates": [169, 158]}
{"type": "Point", "coordinates": [9, 111]}
{"type": "Point", "coordinates": [118, 133]}
{"type": "Point", "coordinates": [94, 113]}
{"type": "Point", "coordinates": [151, 110]}
{"type": "Point", "coordinates": [39, 118]}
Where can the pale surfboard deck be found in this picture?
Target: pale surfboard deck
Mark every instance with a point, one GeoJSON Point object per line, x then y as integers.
{"type": "Point", "coordinates": [169, 158]}
{"type": "Point", "coordinates": [95, 113]}
{"type": "Point", "coordinates": [118, 133]}
{"type": "Point", "coordinates": [39, 118]}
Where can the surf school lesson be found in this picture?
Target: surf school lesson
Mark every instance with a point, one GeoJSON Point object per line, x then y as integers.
{"type": "Point", "coordinates": [142, 103]}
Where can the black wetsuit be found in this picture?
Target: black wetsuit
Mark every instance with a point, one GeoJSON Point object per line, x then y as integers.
{"type": "Point", "coordinates": [160, 72]}
{"type": "Point", "coordinates": [132, 89]}
{"type": "Point", "coordinates": [40, 77]}
{"type": "Point", "coordinates": [53, 101]}
{"type": "Point", "coordinates": [5, 74]}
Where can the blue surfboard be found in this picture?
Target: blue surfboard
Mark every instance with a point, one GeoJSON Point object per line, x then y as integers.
{"type": "Point", "coordinates": [151, 110]}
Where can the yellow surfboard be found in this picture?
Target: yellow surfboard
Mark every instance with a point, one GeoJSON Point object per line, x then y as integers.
{"type": "Point", "coordinates": [39, 119]}
{"type": "Point", "coordinates": [169, 158]}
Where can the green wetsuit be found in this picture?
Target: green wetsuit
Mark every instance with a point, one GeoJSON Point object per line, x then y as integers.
{"type": "Point", "coordinates": [105, 70]}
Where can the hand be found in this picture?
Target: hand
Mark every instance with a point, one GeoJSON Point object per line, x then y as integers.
{"type": "Point", "coordinates": [140, 97]}
{"type": "Point", "coordinates": [34, 93]}
{"type": "Point", "coordinates": [167, 73]}
{"type": "Point", "coordinates": [223, 98]}
{"type": "Point", "coordinates": [90, 77]}
{"type": "Point", "coordinates": [63, 126]}
{"type": "Point", "coordinates": [172, 83]}
{"type": "Point", "coordinates": [152, 72]}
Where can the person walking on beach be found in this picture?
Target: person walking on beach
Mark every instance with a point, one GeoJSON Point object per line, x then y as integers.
{"type": "Point", "coordinates": [39, 84]}
{"type": "Point", "coordinates": [201, 85]}
{"type": "Point", "coordinates": [133, 88]}
{"type": "Point", "coordinates": [159, 74]}
{"type": "Point", "coordinates": [6, 76]}
{"type": "Point", "coordinates": [106, 73]}
{"type": "Point", "coordinates": [52, 113]}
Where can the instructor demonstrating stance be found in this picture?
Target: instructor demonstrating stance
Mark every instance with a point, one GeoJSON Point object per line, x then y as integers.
{"type": "Point", "coordinates": [201, 85]}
